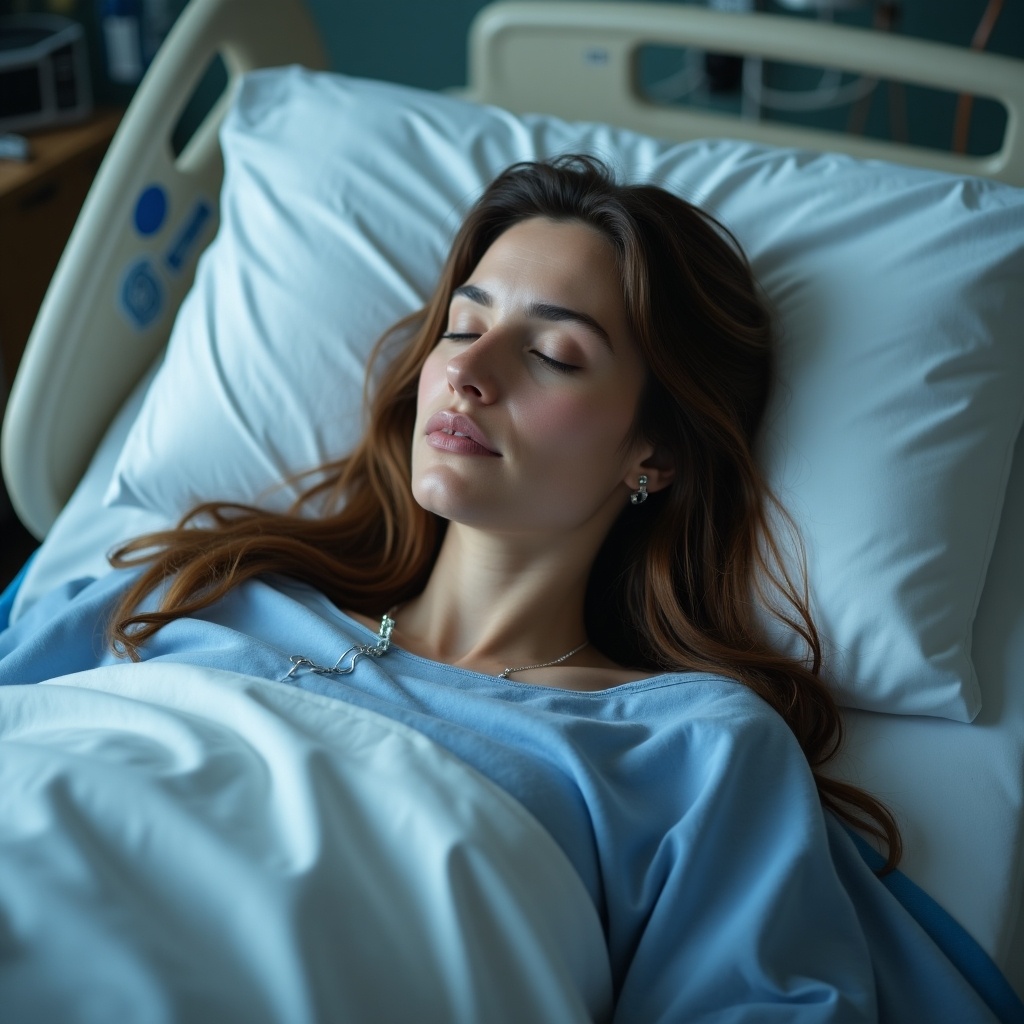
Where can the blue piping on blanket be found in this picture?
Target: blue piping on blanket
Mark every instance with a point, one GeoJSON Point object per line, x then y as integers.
{"type": "Point", "coordinates": [10, 592]}
{"type": "Point", "coordinates": [949, 935]}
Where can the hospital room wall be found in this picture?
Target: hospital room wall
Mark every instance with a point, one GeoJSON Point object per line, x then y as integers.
{"type": "Point", "coordinates": [423, 44]}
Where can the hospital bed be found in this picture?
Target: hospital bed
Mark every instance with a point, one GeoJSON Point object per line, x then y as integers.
{"type": "Point", "coordinates": [916, 557]}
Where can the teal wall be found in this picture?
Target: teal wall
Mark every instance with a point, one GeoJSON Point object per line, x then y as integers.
{"type": "Point", "coordinates": [416, 42]}
{"type": "Point", "coordinates": [422, 43]}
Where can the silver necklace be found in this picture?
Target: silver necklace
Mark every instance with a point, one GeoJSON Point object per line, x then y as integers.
{"type": "Point", "coordinates": [377, 650]}
{"type": "Point", "coordinates": [383, 645]}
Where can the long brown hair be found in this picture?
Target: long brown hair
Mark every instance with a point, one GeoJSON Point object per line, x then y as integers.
{"type": "Point", "coordinates": [686, 586]}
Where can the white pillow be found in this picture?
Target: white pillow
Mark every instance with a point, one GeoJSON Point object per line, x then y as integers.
{"type": "Point", "coordinates": [898, 291]}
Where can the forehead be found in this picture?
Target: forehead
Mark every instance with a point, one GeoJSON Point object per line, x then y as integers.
{"type": "Point", "coordinates": [567, 262]}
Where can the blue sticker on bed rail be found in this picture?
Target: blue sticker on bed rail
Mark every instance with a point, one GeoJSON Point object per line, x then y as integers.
{"type": "Point", "coordinates": [189, 235]}
{"type": "Point", "coordinates": [150, 210]}
{"type": "Point", "coordinates": [142, 294]}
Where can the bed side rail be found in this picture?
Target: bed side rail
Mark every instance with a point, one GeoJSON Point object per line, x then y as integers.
{"type": "Point", "coordinates": [132, 254]}
{"type": "Point", "coordinates": [578, 61]}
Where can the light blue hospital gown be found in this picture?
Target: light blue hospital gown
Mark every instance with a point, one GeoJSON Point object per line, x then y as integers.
{"type": "Point", "coordinates": [683, 801]}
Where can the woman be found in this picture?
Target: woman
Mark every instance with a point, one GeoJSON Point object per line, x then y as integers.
{"type": "Point", "coordinates": [557, 506]}
{"type": "Point", "coordinates": [586, 336]}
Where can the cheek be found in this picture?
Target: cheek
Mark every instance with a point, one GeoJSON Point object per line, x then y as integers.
{"type": "Point", "coordinates": [582, 431]}
{"type": "Point", "coordinates": [433, 381]}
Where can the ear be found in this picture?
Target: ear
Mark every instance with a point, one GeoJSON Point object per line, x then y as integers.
{"type": "Point", "coordinates": [654, 463]}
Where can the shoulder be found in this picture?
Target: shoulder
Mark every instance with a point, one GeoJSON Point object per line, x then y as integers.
{"type": "Point", "coordinates": [691, 705]}
{"type": "Point", "coordinates": [720, 725]}
{"type": "Point", "coordinates": [682, 697]}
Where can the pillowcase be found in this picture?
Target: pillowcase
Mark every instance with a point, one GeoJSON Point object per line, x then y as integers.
{"type": "Point", "coordinates": [898, 292]}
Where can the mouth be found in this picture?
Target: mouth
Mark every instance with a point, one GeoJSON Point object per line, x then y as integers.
{"type": "Point", "coordinates": [454, 432]}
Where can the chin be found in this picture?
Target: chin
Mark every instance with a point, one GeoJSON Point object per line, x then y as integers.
{"type": "Point", "coordinates": [443, 497]}
{"type": "Point", "coordinates": [451, 501]}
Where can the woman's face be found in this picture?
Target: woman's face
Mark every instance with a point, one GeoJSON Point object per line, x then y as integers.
{"type": "Point", "coordinates": [526, 402]}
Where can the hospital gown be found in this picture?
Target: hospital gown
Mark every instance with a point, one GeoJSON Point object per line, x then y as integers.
{"type": "Point", "coordinates": [683, 801]}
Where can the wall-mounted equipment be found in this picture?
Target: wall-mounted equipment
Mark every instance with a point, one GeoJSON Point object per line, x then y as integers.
{"type": "Point", "coordinates": [44, 72]}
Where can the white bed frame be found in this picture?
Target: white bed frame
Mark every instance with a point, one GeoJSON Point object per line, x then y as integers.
{"type": "Point", "coordinates": [573, 59]}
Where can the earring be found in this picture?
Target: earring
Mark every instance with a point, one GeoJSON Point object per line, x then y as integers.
{"type": "Point", "coordinates": [639, 496]}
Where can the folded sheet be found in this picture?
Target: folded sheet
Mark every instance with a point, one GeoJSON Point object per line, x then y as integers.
{"type": "Point", "coordinates": [188, 844]}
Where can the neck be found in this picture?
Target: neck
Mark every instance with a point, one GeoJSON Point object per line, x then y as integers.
{"type": "Point", "coordinates": [492, 602]}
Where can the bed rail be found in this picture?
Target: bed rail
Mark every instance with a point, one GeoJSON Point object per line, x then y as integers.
{"type": "Point", "coordinates": [112, 300]}
{"type": "Point", "coordinates": [523, 54]}
{"type": "Point", "coordinates": [132, 254]}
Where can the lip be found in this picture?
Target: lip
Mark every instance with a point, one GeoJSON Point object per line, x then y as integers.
{"type": "Point", "coordinates": [456, 432]}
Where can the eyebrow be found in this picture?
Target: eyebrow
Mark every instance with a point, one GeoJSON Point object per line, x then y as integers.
{"type": "Point", "coordinates": [541, 310]}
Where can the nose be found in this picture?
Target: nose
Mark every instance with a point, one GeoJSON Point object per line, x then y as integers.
{"type": "Point", "coordinates": [472, 372]}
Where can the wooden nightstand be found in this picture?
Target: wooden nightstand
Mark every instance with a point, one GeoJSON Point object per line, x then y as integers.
{"type": "Point", "coordinates": [39, 202]}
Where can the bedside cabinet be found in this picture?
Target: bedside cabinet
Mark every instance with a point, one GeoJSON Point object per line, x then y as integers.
{"type": "Point", "coordinates": [39, 202]}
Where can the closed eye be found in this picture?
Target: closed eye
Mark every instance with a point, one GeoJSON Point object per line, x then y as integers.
{"type": "Point", "coordinates": [555, 364]}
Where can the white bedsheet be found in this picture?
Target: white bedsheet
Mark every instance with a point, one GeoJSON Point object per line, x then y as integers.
{"type": "Point", "coordinates": [183, 844]}
{"type": "Point", "coordinates": [958, 789]}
